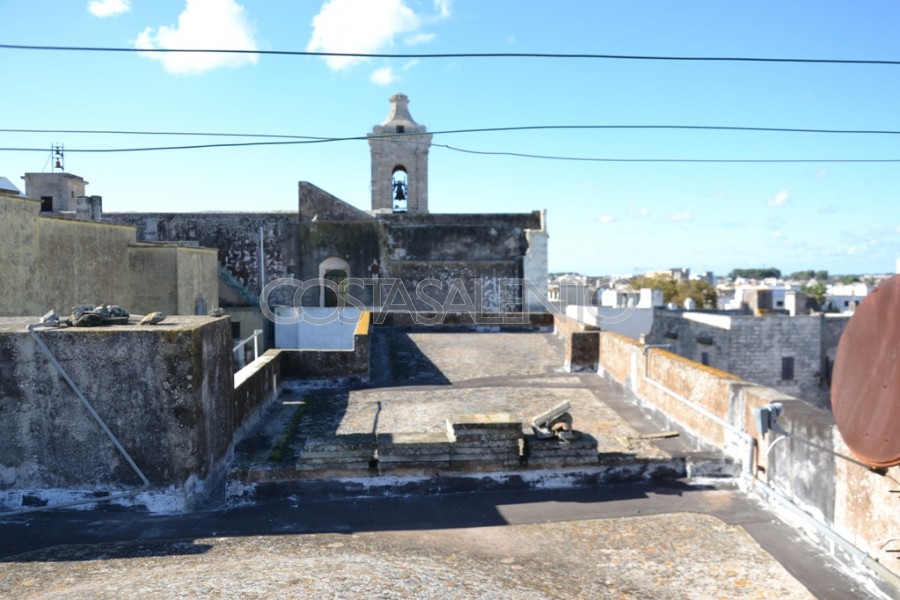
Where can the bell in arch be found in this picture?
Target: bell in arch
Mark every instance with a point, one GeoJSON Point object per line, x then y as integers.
{"type": "Point", "coordinates": [399, 190]}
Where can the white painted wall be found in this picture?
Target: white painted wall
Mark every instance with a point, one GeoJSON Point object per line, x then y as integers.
{"type": "Point", "coordinates": [631, 322]}
{"type": "Point", "coordinates": [316, 328]}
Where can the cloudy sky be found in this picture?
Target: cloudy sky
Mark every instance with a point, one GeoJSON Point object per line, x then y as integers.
{"type": "Point", "coordinates": [619, 215]}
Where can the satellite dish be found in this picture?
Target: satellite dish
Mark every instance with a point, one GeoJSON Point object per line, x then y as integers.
{"type": "Point", "coordinates": [865, 390]}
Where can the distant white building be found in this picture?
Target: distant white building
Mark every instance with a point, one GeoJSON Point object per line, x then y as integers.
{"type": "Point", "coordinates": [759, 299]}
{"type": "Point", "coordinates": [845, 298]}
{"type": "Point", "coordinates": [625, 314]}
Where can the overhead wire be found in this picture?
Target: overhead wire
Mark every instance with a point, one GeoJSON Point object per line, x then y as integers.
{"type": "Point", "coordinates": [456, 55]}
{"type": "Point", "coordinates": [292, 140]}
{"type": "Point", "coordinates": [303, 139]}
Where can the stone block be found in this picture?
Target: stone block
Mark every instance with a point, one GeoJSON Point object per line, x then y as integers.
{"type": "Point", "coordinates": [483, 428]}
{"type": "Point", "coordinates": [353, 451]}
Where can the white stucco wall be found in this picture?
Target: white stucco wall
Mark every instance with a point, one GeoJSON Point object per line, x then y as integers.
{"type": "Point", "coordinates": [316, 328]}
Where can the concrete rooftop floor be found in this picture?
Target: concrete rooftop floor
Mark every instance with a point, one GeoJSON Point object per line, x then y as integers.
{"type": "Point", "coordinates": [420, 380]}
{"type": "Point", "coordinates": [652, 539]}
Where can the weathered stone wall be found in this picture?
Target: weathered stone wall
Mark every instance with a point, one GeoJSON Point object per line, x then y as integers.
{"type": "Point", "coordinates": [19, 252]}
{"type": "Point", "coordinates": [59, 262]}
{"type": "Point", "coordinates": [457, 286]}
{"type": "Point", "coordinates": [582, 342]}
{"type": "Point", "coordinates": [332, 364]}
{"type": "Point", "coordinates": [170, 279]}
{"type": "Point", "coordinates": [356, 242]}
{"type": "Point", "coordinates": [833, 327]}
{"type": "Point", "coordinates": [80, 262]}
{"type": "Point", "coordinates": [255, 386]}
{"type": "Point", "coordinates": [534, 267]}
{"type": "Point", "coordinates": [753, 347]}
{"type": "Point", "coordinates": [455, 237]}
{"type": "Point", "coordinates": [759, 345]}
{"type": "Point", "coordinates": [804, 459]}
{"type": "Point", "coordinates": [316, 203]}
{"type": "Point", "coordinates": [236, 236]}
{"type": "Point", "coordinates": [198, 281]}
{"type": "Point", "coordinates": [164, 391]}
{"type": "Point", "coordinates": [64, 188]}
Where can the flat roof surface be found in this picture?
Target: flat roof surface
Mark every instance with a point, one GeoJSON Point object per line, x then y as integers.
{"type": "Point", "coordinates": [659, 539]}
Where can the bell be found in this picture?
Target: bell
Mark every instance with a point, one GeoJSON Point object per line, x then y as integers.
{"type": "Point", "coordinates": [58, 164]}
{"type": "Point", "coordinates": [400, 194]}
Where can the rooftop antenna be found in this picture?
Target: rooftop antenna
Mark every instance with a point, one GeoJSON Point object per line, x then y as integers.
{"type": "Point", "coordinates": [57, 155]}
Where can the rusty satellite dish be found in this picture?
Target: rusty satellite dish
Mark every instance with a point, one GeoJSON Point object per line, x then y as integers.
{"type": "Point", "coordinates": [865, 391]}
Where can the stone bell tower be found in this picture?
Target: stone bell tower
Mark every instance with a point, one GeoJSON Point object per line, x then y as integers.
{"type": "Point", "coordinates": [399, 148]}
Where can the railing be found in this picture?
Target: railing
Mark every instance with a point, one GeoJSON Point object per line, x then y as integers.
{"type": "Point", "coordinates": [238, 348]}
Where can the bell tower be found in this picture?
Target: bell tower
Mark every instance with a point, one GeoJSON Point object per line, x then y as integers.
{"type": "Point", "coordinates": [399, 148]}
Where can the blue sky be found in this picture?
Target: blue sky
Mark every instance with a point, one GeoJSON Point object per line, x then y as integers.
{"type": "Point", "coordinates": [604, 217]}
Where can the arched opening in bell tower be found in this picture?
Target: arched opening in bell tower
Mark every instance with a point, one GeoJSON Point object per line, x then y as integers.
{"type": "Point", "coordinates": [399, 185]}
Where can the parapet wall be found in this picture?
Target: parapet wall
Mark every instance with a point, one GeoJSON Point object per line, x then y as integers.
{"type": "Point", "coordinates": [804, 460]}
{"type": "Point", "coordinates": [332, 364]}
{"type": "Point", "coordinates": [163, 391]}
{"type": "Point", "coordinates": [582, 342]}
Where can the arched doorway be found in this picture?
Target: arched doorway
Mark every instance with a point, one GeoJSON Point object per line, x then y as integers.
{"type": "Point", "coordinates": [336, 270]}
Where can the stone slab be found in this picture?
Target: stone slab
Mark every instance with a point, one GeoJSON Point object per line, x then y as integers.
{"type": "Point", "coordinates": [353, 441]}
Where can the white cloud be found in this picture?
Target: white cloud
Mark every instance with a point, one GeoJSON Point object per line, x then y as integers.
{"type": "Point", "coordinates": [443, 8]}
{"type": "Point", "coordinates": [681, 217]}
{"type": "Point", "coordinates": [821, 174]}
{"type": "Point", "coordinates": [204, 24]}
{"type": "Point", "coordinates": [383, 76]}
{"type": "Point", "coordinates": [643, 213]}
{"type": "Point", "coordinates": [419, 38]}
{"type": "Point", "coordinates": [862, 247]}
{"type": "Point", "coordinates": [779, 199]}
{"type": "Point", "coordinates": [368, 27]}
{"type": "Point", "coordinates": [606, 218]}
{"type": "Point", "coordinates": [777, 234]}
{"type": "Point", "coordinates": [108, 8]}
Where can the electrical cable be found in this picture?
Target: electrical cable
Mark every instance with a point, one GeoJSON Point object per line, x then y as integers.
{"type": "Point", "coordinates": [547, 55]}
{"type": "Point", "coordinates": [479, 130]}
{"type": "Point", "coordinates": [297, 140]}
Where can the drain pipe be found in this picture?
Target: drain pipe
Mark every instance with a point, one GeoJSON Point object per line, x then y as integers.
{"type": "Point", "coordinates": [749, 440]}
{"type": "Point", "coordinates": [100, 422]}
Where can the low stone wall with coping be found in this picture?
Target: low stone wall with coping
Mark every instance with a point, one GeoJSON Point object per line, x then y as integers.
{"type": "Point", "coordinates": [803, 459]}
{"type": "Point", "coordinates": [331, 364]}
{"type": "Point", "coordinates": [582, 342]}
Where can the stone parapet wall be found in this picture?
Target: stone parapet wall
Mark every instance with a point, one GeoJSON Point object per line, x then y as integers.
{"type": "Point", "coordinates": [582, 342]}
{"type": "Point", "coordinates": [803, 459]}
{"type": "Point", "coordinates": [164, 391]}
{"type": "Point", "coordinates": [331, 364]}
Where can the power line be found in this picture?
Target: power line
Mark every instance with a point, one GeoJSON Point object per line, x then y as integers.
{"type": "Point", "coordinates": [298, 140]}
{"type": "Point", "coordinates": [458, 55]}
{"type": "Point", "coordinates": [674, 160]}
{"type": "Point", "coordinates": [479, 152]}
{"type": "Point", "coordinates": [474, 130]}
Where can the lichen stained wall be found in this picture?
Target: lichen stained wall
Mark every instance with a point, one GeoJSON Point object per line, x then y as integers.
{"type": "Point", "coordinates": [164, 391]}
{"type": "Point", "coordinates": [236, 236]}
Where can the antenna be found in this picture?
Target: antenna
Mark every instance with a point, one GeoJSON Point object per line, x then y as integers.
{"type": "Point", "coordinates": [866, 383]}
{"type": "Point", "coordinates": [58, 158]}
